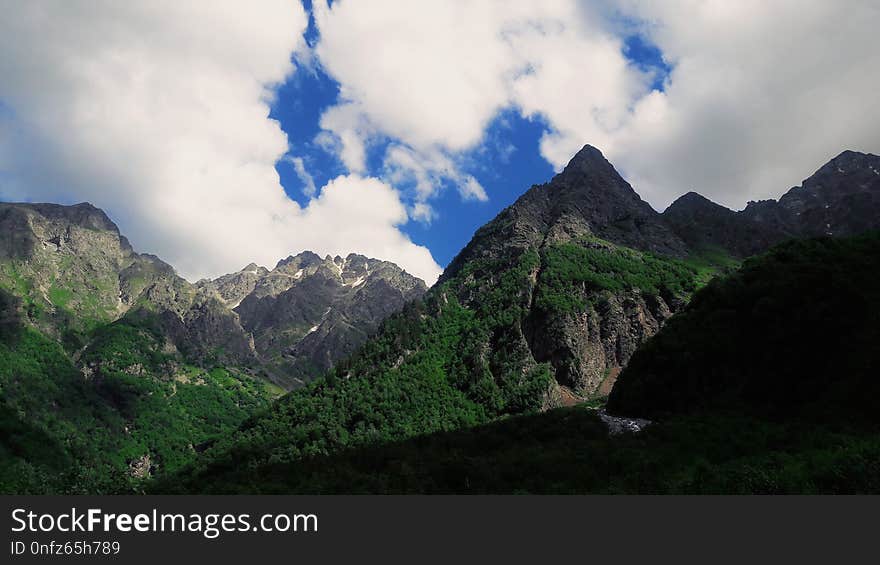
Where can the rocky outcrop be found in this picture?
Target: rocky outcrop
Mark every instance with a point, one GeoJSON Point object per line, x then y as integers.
{"type": "Point", "coordinates": [587, 347]}
{"type": "Point", "coordinates": [234, 287]}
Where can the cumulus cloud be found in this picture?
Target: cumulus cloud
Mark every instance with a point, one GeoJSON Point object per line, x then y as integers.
{"type": "Point", "coordinates": [158, 112]}
{"type": "Point", "coordinates": [431, 75]}
{"type": "Point", "coordinates": [427, 72]}
{"type": "Point", "coordinates": [358, 214]}
{"type": "Point", "coordinates": [760, 93]}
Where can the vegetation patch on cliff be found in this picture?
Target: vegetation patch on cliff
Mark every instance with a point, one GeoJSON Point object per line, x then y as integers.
{"type": "Point", "coordinates": [573, 274]}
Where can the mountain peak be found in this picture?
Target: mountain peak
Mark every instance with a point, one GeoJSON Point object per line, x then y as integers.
{"type": "Point", "coordinates": [303, 258]}
{"type": "Point", "coordinates": [850, 154]}
{"type": "Point", "coordinates": [849, 162]}
{"type": "Point", "coordinates": [588, 159]}
{"type": "Point", "coordinates": [83, 214]}
{"type": "Point", "coordinates": [691, 200]}
{"type": "Point", "coordinates": [589, 197]}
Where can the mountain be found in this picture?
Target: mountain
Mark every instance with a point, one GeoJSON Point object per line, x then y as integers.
{"type": "Point", "coordinates": [113, 368]}
{"type": "Point", "coordinates": [766, 383]}
{"type": "Point", "coordinates": [308, 313]}
{"type": "Point", "coordinates": [588, 197]}
{"type": "Point", "coordinates": [793, 334]}
{"type": "Point", "coordinates": [75, 271]}
{"type": "Point", "coordinates": [842, 198]}
{"type": "Point", "coordinates": [597, 272]}
{"type": "Point", "coordinates": [541, 309]}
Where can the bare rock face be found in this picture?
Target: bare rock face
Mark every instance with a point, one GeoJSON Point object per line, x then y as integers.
{"type": "Point", "coordinates": [233, 288]}
{"type": "Point", "coordinates": [309, 312]}
{"type": "Point", "coordinates": [587, 347]}
{"type": "Point", "coordinates": [141, 468]}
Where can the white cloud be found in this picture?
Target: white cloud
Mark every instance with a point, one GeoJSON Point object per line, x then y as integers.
{"type": "Point", "coordinates": [427, 72]}
{"type": "Point", "coordinates": [427, 172]}
{"type": "Point", "coordinates": [356, 214]}
{"type": "Point", "coordinates": [345, 131]}
{"type": "Point", "coordinates": [158, 112]}
{"type": "Point", "coordinates": [761, 93]}
{"type": "Point", "coordinates": [431, 75]}
{"type": "Point", "coordinates": [305, 178]}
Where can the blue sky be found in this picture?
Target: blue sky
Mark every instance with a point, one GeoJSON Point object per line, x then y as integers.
{"type": "Point", "coordinates": [506, 162]}
{"type": "Point", "coordinates": [192, 124]}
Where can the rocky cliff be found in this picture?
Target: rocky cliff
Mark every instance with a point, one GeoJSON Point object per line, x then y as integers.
{"type": "Point", "coordinates": [307, 313]}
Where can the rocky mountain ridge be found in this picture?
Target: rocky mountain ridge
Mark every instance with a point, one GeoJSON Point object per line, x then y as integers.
{"type": "Point", "coordinates": [76, 271]}
{"type": "Point", "coordinates": [308, 312]}
{"type": "Point", "coordinates": [588, 197]}
{"type": "Point", "coordinates": [840, 199]}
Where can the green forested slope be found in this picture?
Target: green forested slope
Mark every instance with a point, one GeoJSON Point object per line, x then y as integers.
{"type": "Point", "coordinates": [450, 362]}
{"type": "Point", "coordinates": [794, 333]}
{"type": "Point", "coordinates": [765, 383]}
{"type": "Point", "coordinates": [136, 412]}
